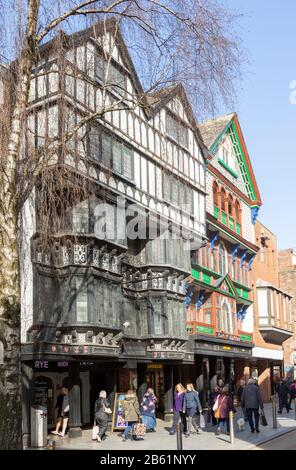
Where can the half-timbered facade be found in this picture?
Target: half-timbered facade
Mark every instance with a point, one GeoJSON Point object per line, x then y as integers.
{"type": "Point", "coordinates": [103, 309]}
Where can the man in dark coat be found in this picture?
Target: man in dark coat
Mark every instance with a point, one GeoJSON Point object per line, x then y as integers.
{"type": "Point", "coordinates": [283, 391]}
{"type": "Point", "coordinates": [252, 401]}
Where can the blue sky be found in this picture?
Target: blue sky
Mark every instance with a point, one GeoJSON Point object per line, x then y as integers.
{"type": "Point", "coordinates": [267, 117]}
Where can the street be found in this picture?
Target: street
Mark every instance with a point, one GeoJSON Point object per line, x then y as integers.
{"type": "Point", "coordinates": [286, 442]}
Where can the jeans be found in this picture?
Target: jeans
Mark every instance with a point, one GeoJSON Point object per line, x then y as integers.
{"type": "Point", "coordinates": [290, 401]}
{"type": "Point", "coordinates": [222, 421]}
{"type": "Point", "coordinates": [178, 415]}
{"type": "Point", "coordinates": [129, 427]}
{"type": "Point", "coordinates": [250, 412]}
{"type": "Point", "coordinates": [191, 413]}
{"type": "Point", "coordinates": [102, 422]}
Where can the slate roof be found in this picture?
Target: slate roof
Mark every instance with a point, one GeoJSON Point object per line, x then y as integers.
{"type": "Point", "coordinates": [210, 130]}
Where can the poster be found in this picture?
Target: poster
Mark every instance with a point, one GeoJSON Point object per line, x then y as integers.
{"type": "Point", "coordinates": [118, 422]}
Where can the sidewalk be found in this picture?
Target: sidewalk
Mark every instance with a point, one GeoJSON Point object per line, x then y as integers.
{"type": "Point", "coordinates": [206, 440]}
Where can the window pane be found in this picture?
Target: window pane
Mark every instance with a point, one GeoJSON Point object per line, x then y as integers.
{"type": "Point", "coordinates": [94, 144]}
{"type": "Point", "coordinates": [106, 149]}
{"type": "Point", "coordinates": [81, 300]}
{"type": "Point", "coordinates": [127, 162]}
{"type": "Point", "coordinates": [117, 156]}
{"type": "Point", "coordinates": [80, 218]}
{"type": "Point", "coordinates": [117, 80]}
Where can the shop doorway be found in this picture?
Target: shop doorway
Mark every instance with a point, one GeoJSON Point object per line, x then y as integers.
{"type": "Point", "coordinates": [155, 380]}
{"type": "Point", "coordinates": [98, 382]}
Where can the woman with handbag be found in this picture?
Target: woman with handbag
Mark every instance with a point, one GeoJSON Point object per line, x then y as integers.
{"type": "Point", "coordinates": [223, 405]}
{"type": "Point", "coordinates": [130, 413]}
{"type": "Point", "coordinates": [102, 411]}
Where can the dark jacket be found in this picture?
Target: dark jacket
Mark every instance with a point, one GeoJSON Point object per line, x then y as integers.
{"type": "Point", "coordinates": [100, 404]}
{"type": "Point", "coordinates": [282, 390]}
{"type": "Point", "coordinates": [251, 397]}
{"type": "Point", "coordinates": [130, 408]}
{"type": "Point", "coordinates": [191, 400]}
{"type": "Point", "coordinates": [240, 392]}
{"type": "Point", "coordinates": [148, 405]}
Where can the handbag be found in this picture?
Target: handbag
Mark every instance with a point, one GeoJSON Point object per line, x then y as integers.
{"type": "Point", "coordinates": [216, 404]}
{"type": "Point", "coordinates": [95, 431]}
{"type": "Point", "coordinates": [106, 410]}
{"type": "Point", "coordinates": [263, 420]}
{"type": "Point", "coordinates": [139, 429]}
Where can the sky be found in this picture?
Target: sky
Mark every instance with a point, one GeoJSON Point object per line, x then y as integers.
{"type": "Point", "coordinates": [266, 115]}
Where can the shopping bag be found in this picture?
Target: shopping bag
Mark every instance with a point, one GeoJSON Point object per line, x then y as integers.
{"type": "Point", "coordinates": [202, 423]}
{"type": "Point", "coordinates": [95, 431]}
{"type": "Point", "coordinates": [139, 429]}
{"type": "Point", "coordinates": [263, 420]}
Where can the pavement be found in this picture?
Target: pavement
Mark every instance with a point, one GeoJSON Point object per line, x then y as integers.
{"type": "Point", "coordinates": [205, 440]}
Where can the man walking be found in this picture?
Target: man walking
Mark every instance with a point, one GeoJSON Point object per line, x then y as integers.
{"type": "Point", "coordinates": [252, 401]}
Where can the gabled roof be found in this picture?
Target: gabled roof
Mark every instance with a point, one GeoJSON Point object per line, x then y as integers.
{"type": "Point", "coordinates": [152, 102]}
{"type": "Point", "coordinates": [227, 279]}
{"type": "Point", "coordinates": [211, 130]}
{"type": "Point", "coordinates": [212, 133]}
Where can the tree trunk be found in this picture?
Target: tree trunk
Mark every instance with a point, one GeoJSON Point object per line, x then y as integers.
{"type": "Point", "coordinates": [10, 369]}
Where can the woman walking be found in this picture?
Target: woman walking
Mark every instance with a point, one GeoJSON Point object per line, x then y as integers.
{"type": "Point", "coordinates": [102, 410]}
{"type": "Point", "coordinates": [223, 406]}
{"type": "Point", "coordinates": [130, 413]}
{"type": "Point", "coordinates": [148, 410]}
{"type": "Point", "coordinates": [178, 409]}
{"type": "Point", "coordinates": [191, 404]}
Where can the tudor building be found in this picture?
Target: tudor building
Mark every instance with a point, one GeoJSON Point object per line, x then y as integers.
{"type": "Point", "coordinates": [108, 312]}
{"type": "Point", "coordinates": [219, 300]}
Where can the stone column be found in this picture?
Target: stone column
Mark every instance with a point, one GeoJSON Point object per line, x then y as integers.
{"type": "Point", "coordinates": [27, 400]}
{"type": "Point", "coordinates": [169, 390]}
{"type": "Point", "coordinates": [212, 371]}
{"type": "Point", "coordinates": [142, 385]}
{"type": "Point", "coordinates": [74, 400]}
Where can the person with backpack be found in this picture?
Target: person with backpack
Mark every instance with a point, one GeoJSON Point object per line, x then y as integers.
{"type": "Point", "coordinates": [191, 405]}
{"type": "Point", "coordinates": [130, 413]}
{"type": "Point", "coordinates": [222, 407]}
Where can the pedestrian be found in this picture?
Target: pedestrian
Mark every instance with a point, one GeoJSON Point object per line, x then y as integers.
{"type": "Point", "coordinates": [220, 384]}
{"type": "Point", "coordinates": [252, 401]}
{"type": "Point", "coordinates": [101, 412]}
{"type": "Point", "coordinates": [240, 390]}
{"type": "Point", "coordinates": [65, 411]}
{"type": "Point", "coordinates": [191, 405]}
{"type": "Point", "coordinates": [212, 398]}
{"type": "Point", "coordinates": [148, 410]}
{"type": "Point", "coordinates": [223, 406]}
{"type": "Point", "coordinates": [130, 413]}
{"type": "Point", "coordinates": [283, 391]}
{"type": "Point", "coordinates": [58, 407]}
{"type": "Point", "coordinates": [292, 393]}
{"type": "Point", "coordinates": [178, 409]}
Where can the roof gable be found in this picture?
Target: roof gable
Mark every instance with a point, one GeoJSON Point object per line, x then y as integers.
{"type": "Point", "coordinates": [226, 285]}
{"type": "Point", "coordinates": [225, 133]}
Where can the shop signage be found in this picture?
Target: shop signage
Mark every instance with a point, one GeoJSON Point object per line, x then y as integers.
{"type": "Point", "coordinates": [204, 329]}
{"type": "Point", "coordinates": [245, 337]}
{"type": "Point", "coordinates": [45, 365]}
{"type": "Point", "coordinates": [221, 348]}
{"type": "Point", "coordinates": [154, 366]}
{"type": "Point", "coordinates": [118, 422]}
